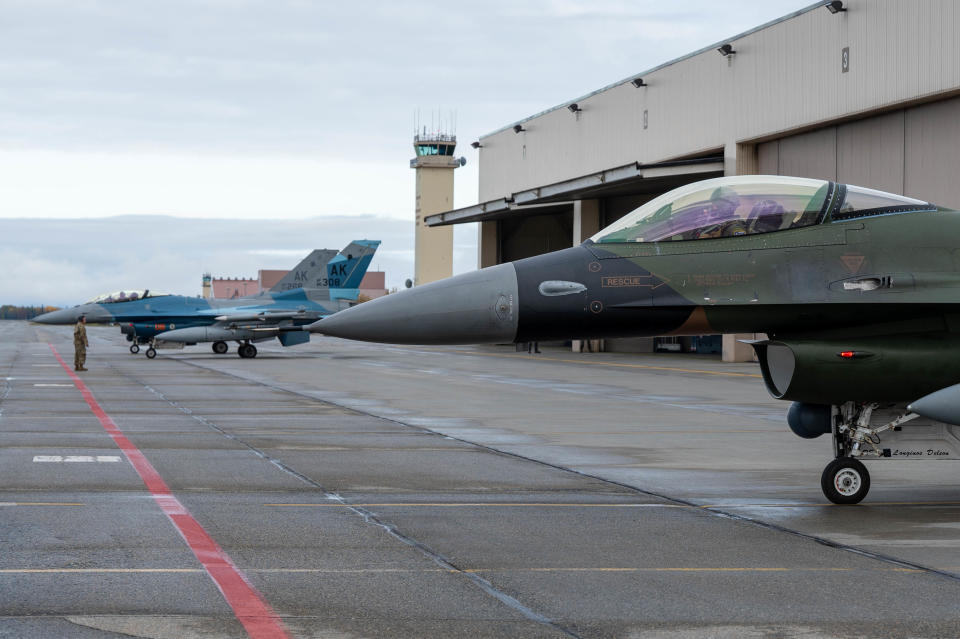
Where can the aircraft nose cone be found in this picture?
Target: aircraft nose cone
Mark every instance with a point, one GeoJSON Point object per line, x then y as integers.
{"type": "Point", "coordinates": [473, 308]}
{"type": "Point", "coordinates": [63, 316]}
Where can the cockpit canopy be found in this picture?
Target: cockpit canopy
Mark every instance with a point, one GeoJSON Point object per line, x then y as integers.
{"type": "Point", "coordinates": [750, 204]}
{"type": "Point", "coordinates": [125, 296]}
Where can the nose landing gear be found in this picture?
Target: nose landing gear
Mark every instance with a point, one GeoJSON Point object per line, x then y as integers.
{"type": "Point", "coordinates": [861, 431]}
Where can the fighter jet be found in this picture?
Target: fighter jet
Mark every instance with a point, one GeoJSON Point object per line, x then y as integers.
{"type": "Point", "coordinates": [323, 283]}
{"type": "Point", "coordinates": [855, 289]}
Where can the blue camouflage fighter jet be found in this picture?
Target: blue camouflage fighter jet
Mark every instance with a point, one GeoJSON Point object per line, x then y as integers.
{"type": "Point", "coordinates": [322, 284]}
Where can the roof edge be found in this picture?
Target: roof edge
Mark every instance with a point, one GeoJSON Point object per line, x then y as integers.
{"type": "Point", "coordinates": [709, 47]}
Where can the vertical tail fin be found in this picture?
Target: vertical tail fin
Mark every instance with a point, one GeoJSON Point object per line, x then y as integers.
{"type": "Point", "coordinates": [347, 269]}
{"type": "Point", "coordinates": [311, 273]}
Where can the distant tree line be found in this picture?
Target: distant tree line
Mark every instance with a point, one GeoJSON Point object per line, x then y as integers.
{"type": "Point", "coordinates": [10, 312]}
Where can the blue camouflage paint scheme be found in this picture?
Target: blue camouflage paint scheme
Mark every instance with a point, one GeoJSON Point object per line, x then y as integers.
{"type": "Point", "coordinates": [150, 317]}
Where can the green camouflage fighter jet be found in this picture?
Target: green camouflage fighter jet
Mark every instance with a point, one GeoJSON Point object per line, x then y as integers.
{"type": "Point", "coordinates": [857, 290]}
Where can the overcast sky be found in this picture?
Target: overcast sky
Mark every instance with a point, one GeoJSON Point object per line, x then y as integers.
{"type": "Point", "coordinates": [280, 110]}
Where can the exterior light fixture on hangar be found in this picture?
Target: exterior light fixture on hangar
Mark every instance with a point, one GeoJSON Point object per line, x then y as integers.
{"type": "Point", "coordinates": [818, 93]}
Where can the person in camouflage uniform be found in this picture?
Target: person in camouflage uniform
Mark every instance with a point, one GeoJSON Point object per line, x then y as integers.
{"type": "Point", "coordinates": [80, 344]}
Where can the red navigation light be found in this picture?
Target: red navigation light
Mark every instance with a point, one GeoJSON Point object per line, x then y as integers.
{"type": "Point", "coordinates": [847, 354]}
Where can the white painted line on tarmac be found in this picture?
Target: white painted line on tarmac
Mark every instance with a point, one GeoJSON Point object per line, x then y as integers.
{"type": "Point", "coordinates": [56, 459]}
{"type": "Point", "coordinates": [54, 385]}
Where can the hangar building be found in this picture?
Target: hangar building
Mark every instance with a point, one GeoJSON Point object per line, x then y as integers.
{"type": "Point", "coordinates": [861, 91]}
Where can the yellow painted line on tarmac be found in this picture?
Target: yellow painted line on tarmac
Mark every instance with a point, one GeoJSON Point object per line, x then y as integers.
{"type": "Point", "coordinates": [592, 363]}
{"type": "Point", "coordinates": [821, 505]}
{"type": "Point", "coordinates": [41, 503]}
{"type": "Point", "coordinates": [559, 569]}
{"type": "Point", "coordinates": [677, 431]}
{"type": "Point", "coordinates": [365, 448]}
{"type": "Point", "coordinates": [638, 570]}
{"type": "Point", "coordinates": [672, 431]}
{"type": "Point", "coordinates": [346, 571]}
{"type": "Point", "coordinates": [591, 505]}
{"type": "Point", "coordinates": [910, 569]}
{"type": "Point", "coordinates": [475, 505]}
{"type": "Point", "coordinates": [374, 571]}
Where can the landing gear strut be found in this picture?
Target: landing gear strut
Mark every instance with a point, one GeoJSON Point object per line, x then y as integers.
{"type": "Point", "coordinates": [845, 480]}
{"type": "Point", "coordinates": [220, 348]}
{"type": "Point", "coordinates": [247, 350]}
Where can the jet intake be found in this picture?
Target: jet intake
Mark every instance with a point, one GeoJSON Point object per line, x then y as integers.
{"type": "Point", "coordinates": [894, 368]}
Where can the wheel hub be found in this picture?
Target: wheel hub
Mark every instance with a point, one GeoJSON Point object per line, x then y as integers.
{"type": "Point", "coordinates": [847, 482]}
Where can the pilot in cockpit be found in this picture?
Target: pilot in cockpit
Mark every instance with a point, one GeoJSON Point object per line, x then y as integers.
{"type": "Point", "coordinates": [720, 219]}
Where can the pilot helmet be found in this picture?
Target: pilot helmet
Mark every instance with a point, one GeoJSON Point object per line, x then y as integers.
{"type": "Point", "coordinates": [724, 200]}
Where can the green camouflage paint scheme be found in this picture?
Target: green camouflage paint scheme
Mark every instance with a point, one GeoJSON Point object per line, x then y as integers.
{"type": "Point", "coordinates": [883, 285]}
{"type": "Point", "coordinates": [857, 291]}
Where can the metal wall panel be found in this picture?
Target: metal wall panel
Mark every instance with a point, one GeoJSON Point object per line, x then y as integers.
{"type": "Point", "coordinates": [932, 163]}
{"type": "Point", "coordinates": [811, 154]}
{"type": "Point", "coordinates": [768, 158]}
{"type": "Point", "coordinates": [785, 77]}
{"type": "Point", "coordinates": [870, 152]}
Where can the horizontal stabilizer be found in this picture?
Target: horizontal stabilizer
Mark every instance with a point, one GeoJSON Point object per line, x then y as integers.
{"type": "Point", "coordinates": [942, 405]}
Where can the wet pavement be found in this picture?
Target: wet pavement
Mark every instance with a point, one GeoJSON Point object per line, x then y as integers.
{"type": "Point", "coordinates": [359, 490]}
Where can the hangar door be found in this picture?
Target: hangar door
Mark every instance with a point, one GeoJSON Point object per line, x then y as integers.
{"type": "Point", "coordinates": [531, 235]}
{"type": "Point", "coordinates": [914, 151]}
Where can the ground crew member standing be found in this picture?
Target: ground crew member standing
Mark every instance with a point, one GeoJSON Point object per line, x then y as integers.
{"type": "Point", "coordinates": [80, 344]}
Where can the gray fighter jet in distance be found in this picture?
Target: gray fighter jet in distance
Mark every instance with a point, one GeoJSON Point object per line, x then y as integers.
{"type": "Point", "coordinates": [322, 284]}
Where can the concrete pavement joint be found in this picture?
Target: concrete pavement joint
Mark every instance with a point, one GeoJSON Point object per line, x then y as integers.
{"type": "Point", "coordinates": [911, 566]}
{"type": "Point", "coordinates": [366, 515]}
{"type": "Point", "coordinates": [250, 608]}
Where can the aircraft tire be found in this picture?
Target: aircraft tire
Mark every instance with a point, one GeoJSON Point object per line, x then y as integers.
{"type": "Point", "coordinates": [845, 481]}
{"type": "Point", "coordinates": [151, 353]}
{"type": "Point", "coordinates": [247, 351]}
{"type": "Point", "coordinates": [220, 348]}
{"type": "Point", "coordinates": [134, 348]}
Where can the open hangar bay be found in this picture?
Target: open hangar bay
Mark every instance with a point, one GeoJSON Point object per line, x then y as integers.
{"type": "Point", "coordinates": [342, 489]}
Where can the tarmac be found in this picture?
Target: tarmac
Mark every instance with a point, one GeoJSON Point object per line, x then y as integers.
{"type": "Point", "coordinates": [341, 490]}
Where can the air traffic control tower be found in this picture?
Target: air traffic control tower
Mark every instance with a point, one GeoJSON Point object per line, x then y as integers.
{"type": "Point", "coordinates": [434, 164]}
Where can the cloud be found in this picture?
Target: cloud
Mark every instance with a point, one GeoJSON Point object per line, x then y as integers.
{"type": "Point", "coordinates": [275, 113]}
{"type": "Point", "coordinates": [98, 184]}
{"type": "Point", "coordinates": [65, 262]}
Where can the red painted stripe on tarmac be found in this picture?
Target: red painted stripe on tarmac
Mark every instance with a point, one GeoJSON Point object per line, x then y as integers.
{"type": "Point", "coordinates": [249, 606]}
